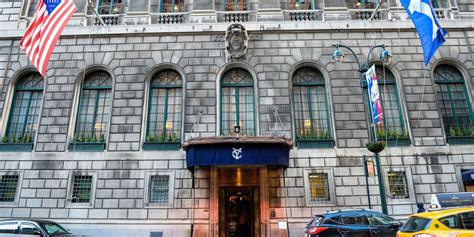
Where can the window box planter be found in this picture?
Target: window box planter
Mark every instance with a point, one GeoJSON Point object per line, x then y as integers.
{"type": "Point", "coordinates": [16, 147]}
{"type": "Point", "coordinates": [396, 141]}
{"type": "Point", "coordinates": [320, 143]}
{"type": "Point", "coordinates": [461, 140]}
{"type": "Point", "coordinates": [167, 146]}
{"type": "Point", "coordinates": [96, 146]}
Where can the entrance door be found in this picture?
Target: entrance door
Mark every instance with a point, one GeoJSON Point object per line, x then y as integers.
{"type": "Point", "coordinates": [239, 212]}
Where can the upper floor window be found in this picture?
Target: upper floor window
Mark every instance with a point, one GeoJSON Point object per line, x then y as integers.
{"type": "Point", "coordinates": [312, 119]}
{"type": "Point", "coordinates": [24, 113]}
{"type": "Point", "coordinates": [237, 103]}
{"type": "Point", "coordinates": [393, 126]}
{"type": "Point", "coordinates": [171, 6]}
{"type": "Point", "coordinates": [301, 4]}
{"type": "Point", "coordinates": [94, 108]}
{"type": "Point", "coordinates": [165, 108]}
{"type": "Point", "coordinates": [362, 4]}
{"type": "Point", "coordinates": [454, 103]}
{"type": "Point", "coordinates": [236, 5]}
{"type": "Point", "coordinates": [109, 7]}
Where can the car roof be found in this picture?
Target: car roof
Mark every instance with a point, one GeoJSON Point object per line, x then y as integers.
{"type": "Point", "coordinates": [334, 213]}
{"type": "Point", "coordinates": [442, 213]}
{"type": "Point", "coordinates": [31, 220]}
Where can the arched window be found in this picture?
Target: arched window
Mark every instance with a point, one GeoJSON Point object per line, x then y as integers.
{"type": "Point", "coordinates": [237, 103]}
{"type": "Point", "coordinates": [24, 113]}
{"type": "Point", "coordinates": [393, 125]}
{"type": "Point", "coordinates": [94, 108]}
{"type": "Point", "coordinates": [453, 101]}
{"type": "Point", "coordinates": [164, 109]}
{"type": "Point", "coordinates": [312, 119]}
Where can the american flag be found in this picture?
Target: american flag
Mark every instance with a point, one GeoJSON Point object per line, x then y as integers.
{"type": "Point", "coordinates": [51, 16]}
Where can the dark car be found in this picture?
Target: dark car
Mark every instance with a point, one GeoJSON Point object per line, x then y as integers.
{"type": "Point", "coordinates": [353, 223]}
{"type": "Point", "coordinates": [41, 228]}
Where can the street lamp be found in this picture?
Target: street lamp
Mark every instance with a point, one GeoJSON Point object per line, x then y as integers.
{"type": "Point", "coordinates": [386, 58]}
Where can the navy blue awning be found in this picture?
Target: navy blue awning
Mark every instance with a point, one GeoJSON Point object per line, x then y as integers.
{"type": "Point", "coordinates": [468, 175]}
{"type": "Point", "coordinates": [221, 151]}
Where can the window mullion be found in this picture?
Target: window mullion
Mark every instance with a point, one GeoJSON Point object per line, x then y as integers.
{"type": "Point", "coordinates": [400, 114]}
{"type": "Point", "coordinates": [94, 116]}
{"type": "Point", "coordinates": [453, 110]}
{"type": "Point", "coordinates": [165, 115]}
{"type": "Point", "coordinates": [29, 93]}
{"type": "Point", "coordinates": [310, 110]}
{"type": "Point", "coordinates": [237, 106]}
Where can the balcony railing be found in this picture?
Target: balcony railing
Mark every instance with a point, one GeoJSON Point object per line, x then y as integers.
{"type": "Point", "coordinates": [109, 20]}
{"type": "Point", "coordinates": [304, 15]}
{"type": "Point", "coordinates": [235, 16]}
{"type": "Point", "coordinates": [443, 13]}
{"type": "Point", "coordinates": [167, 18]}
{"type": "Point", "coordinates": [365, 14]}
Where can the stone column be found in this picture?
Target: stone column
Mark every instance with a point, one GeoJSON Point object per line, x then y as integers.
{"type": "Point", "coordinates": [203, 12]}
{"type": "Point", "coordinates": [336, 10]}
{"type": "Point", "coordinates": [269, 10]}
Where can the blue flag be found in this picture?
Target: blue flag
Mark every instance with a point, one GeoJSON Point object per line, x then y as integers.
{"type": "Point", "coordinates": [430, 32]}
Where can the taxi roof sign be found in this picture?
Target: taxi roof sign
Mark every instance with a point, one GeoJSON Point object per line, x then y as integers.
{"type": "Point", "coordinates": [451, 200]}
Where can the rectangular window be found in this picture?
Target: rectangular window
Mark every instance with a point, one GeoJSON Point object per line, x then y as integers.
{"type": "Point", "coordinates": [159, 189]}
{"type": "Point", "coordinates": [81, 190]}
{"type": "Point", "coordinates": [319, 187]}
{"type": "Point", "coordinates": [108, 7]}
{"type": "Point", "coordinates": [397, 183]}
{"type": "Point", "coordinates": [8, 185]}
{"type": "Point", "coordinates": [236, 5]}
{"type": "Point", "coordinates": [364, 4]}
{"type": "Point", "coordinates": [301, 4]}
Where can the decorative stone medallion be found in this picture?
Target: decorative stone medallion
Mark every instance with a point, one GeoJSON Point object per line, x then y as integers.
{"type": "Point", "coordinates": [236, 41]}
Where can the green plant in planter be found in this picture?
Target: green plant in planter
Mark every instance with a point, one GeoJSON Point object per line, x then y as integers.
{"type": "Point", "coordinates": [12, 139]}
{"type": "Point", "coordinates": [459, 132]}
{"type": "Point", "coordinates": [160, 138]}
{"type": "Point", "coordinates": [27, 138]}
{"type": "Point", "coordinates": [102, 138]}
{"type": "Point", "coordinates": [452, 133]}
{"type": "Point", "coordinates": [404, 134]}
{"type": "Point", "coordinates": [174, 137]}
{"type": "Point", "coordinates": [381, 133]}
{"type": "Point", "coordinates": [395, 134]}
{"type": "Point", "coordinates": [93, 139]}
{"type": "Point", "coordinates": [87, 138]}
{"type": "Point", "coordinates": [5, 139]}
{"type": "Point", "coordinates": [18, 139]}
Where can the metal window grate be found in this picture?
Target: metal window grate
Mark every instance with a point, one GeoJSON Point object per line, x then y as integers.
{"type": "Point", "coordinates": [159, 189]}
{"type": "Point", "coordinates": [93, 112]}
{"type": "Point", "coordinates": [165, 105]}
{"type": "Point", "coordinates": [452, 97]}
{"type": "Point", "coordinates": [397, 183]}
{"type": "Point", "coordinates": [24, 115]}
{"type": "Point", "coordinates": [8, 185]}
{"type": "Point", "coordinates": [81, 190]}
{"type": "Point", "coordinates": [237, 103]}
{"type": "Point", "coordinates": [310, 102]}
{"type": "Point", "coordinates": [319, 187]}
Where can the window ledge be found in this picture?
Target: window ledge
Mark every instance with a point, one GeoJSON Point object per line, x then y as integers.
{"type": "Point", "coordinates": [319, 143]}
{"type": "Point", "coordinates": [151, 146]}
{"type": "Point", "coordinates": [396, 141]}
{"type": "Point", "coordinates": [460, 140]}
{"type": "Point", "coordinates": [96, 146]}
{"type": "Point", "coordinates": [16, 147]}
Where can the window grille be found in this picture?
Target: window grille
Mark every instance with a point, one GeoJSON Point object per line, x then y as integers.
{"type": "Point", "coordinates": [94, 106]}
{"type": "Point", "coordinates": [236, 5]}
{"type": "Point", "coordinates": [237, 103]}
{"type": "Point", "coordinates": [311, 107]}
{"type": "Point", "coordinates": [301, 4]}
{"type": "Point", "coordinates": [319, 187]}
{"type": "Point", "coordinates": [24, 113]}
{"type": "Point", "coordinates": [397, 183]}
{"type": "Point", "coordinates": [164, 108]}
{"type": "Point", "coordinates": [8, 185]}
{"type": "Point", "coordinates": [393, 125]}
{"type": "Point", "coordinates": [452, 96]}
{"type": "Point", "coordinates": [159, 189]}
{"type": "Point", "coordinates": [81, 190]}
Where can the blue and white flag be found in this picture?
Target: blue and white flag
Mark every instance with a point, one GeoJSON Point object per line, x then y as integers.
{"type": "Point", "coordinates": [430, 32]}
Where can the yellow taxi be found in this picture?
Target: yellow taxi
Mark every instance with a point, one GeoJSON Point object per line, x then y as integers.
{"type": "Point", "coordinates": [456, 222]}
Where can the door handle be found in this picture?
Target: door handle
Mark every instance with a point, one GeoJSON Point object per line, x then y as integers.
{"type": "Point", "coordinates": [376, 232]}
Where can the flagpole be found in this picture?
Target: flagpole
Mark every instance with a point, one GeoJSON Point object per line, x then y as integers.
{"type": "Point", "coordinates": [96, 12]}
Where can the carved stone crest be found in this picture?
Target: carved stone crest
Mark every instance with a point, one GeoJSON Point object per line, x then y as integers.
{"type": "Point", "coordinates": [236, 41]}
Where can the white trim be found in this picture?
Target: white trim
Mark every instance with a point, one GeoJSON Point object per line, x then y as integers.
{"type": "Point", "coordinates": [72, 174]}
{"type": "Point", "coordinates": [146, 196]}
{"type": "Point", "coordinates": [331, 185]}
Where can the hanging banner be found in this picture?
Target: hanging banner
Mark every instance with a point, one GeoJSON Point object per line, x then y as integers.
{"type": "Point", "coordinates": [374, 95]}
{"type": "Point", "coordinates": [370, 168]}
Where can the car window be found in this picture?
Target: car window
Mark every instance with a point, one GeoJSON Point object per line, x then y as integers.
{"type": "Point", "coordinates": [467, 220]}
{"type": "Point", "coordinates": [316, 220]}
{"type": "Point", "coordinates": [354, 219]}
{"type": "Point", "coordinates": [8, 227]}
{"type": "Point", "coordinates": [29, 229]}
{"type": "Point", "coordinates": [333, 220]}
{"type": "Point", "coordinates": [451, 222]}
{"type": "Point", "coordinates": [378, 219]}
{"type": "Point", "coordinates": [54, 229]}
{"type": "Point", "coordinates": [415, 224]}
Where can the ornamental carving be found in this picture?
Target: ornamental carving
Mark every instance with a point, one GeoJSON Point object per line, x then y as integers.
{"type": "Point", "coordinates": [236, 41]}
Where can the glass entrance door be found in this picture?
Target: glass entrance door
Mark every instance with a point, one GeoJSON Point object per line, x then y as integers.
{"type": "Point", "coordinates": [239, 212]}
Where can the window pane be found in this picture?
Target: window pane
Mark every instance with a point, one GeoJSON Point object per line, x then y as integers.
{"type": "Point", "coordinates": [397, 183]}
{"type": "Point", "coordinates": [165, 105]}
{"type": "Point", "coordinates": [81, 191]}
{"type": "Point", "coordinates": [467, 219]}
{"type": "Point", "coordinates": [28, 229]}
{"type": "Point", "coordinates": [159, 189]}
{"type": "Point", "coordinates": [237, 103]}
{"type": "Point", "coordinates": [170, 6]}
{"type": "Point", "coordinates": [236, 5]}
{"type": "Point", "coordinates": [8, 184]}
{"type": "Point", "coordinates": [300, 5]}
{"type": "Point", "coordinates": [451, 222]}
{"type": "Point", "coordinates": [319, 187]}
{"type": "Point", "coordinates": [310, 102]}
{"type": "Point", "coordinates": [107, 7]}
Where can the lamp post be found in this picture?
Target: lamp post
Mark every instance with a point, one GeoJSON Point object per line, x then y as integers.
{"type": "Point", "coordinates": [386, 58]}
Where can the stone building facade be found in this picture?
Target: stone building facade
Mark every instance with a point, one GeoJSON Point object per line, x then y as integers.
{"type": "Point", "coordinates": [123, 180]}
